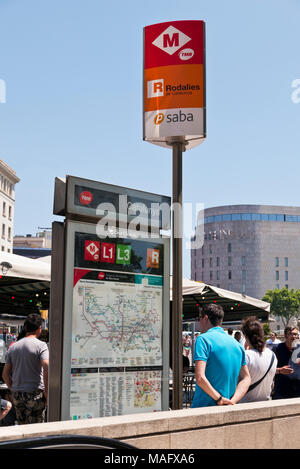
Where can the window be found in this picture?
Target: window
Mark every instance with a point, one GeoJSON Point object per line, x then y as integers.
{"type": "Point", "coordinates": [218, 261]}
{"type": "Point", "coordinates": [229, 260]}
{"type": "Point", "coordinates": [243, 260]}
{"type": "Point", "coordinates": [229, 247]}
{"type": "Point", "coordinates": [229, 287]}
{"type": "Point", "coordinates": [9, 212]}
{"type": "Point", "coordinates": [277, 286]}
{"type": "Point", "coordinates": [286, 262]}
{"type": "Point", "coordinates": [276, 261]}
{"type": "Point", "coordinates": [243, 288]}
{"type": "Point", "coordinates": [236, 216]}
{"type": "Point", "coordinates": [246, 216]}
{"type": "Point", "coordinates": [229, 274]}
{"type": "Point", "coordinates": [4, 210]}
{"type": "Point", "coordinates": [203, 261]}
{"type": "Point", "coordinates": [277, 274]}
{"type": "Point", "coordinates": [3, 231]}
{"type": "Point", "coordinates": [210, 262]}
{"type": "Point", "coordinates": [218, 275]}
{"type": "Point", "coordinates": [243, 274]}
{"type": "Point", "coordinates": [9, 234]}
{"type": "Point", "coordinates": [210, 249]}
{"type": "Point", "coordinates": [286, 286]}
{"type": "Point", "coordinates": [286, 275]}
{"type": "Point", "coordinates": [210, 275]}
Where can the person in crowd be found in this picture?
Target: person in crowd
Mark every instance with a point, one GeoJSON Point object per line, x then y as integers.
{"type": "Point", "coordinates": [185, 364]}
{"type": "Point", "coordinates": [221, 372]}
{"type": "Point", "coordinates": [286, 385]}
{"type": "Point", "coordinates": [19, 337]}
{"type": "Point", "coordinates": [239, 337]}
{"type": "Point", "coordinates": [26, 373]}
{"type": "Point", "coordinates": [5, 408]}
{"type": "Point", "coordinates": [272, 341]}
{"type": "Point", "coordinates": [230, 331]}
{"type": "Point", "coordinates": [187, 345]}
{"type": "Point", "coordinates": [261, 362]}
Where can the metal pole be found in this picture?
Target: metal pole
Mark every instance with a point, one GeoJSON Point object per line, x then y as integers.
{"type": "Point", "coordinates": [56, 322]}
{"type": "Point", "coordinates": [177, 277]}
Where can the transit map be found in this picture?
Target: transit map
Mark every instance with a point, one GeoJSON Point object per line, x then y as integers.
{"type": "Point", "coordinates": [117, 323]}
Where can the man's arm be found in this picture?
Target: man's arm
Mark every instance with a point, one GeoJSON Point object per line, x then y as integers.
{"type": "Point", "coordinates": [243, 384]}
{"type": "Point", "coordinates": [45, 365]}
{"type": "Point", "coordinates": [6, 374]}
{"type": "Point", "coordinates": [284, 370]}
{"type": "Point", "coordinates": [205, 385]}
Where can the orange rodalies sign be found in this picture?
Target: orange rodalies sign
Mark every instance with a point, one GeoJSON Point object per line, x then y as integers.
{"type": "Point", "coordinates": [174, 83]}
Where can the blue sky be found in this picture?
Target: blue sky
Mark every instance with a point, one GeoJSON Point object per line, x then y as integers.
{"type": "Point", "coordinates": [73, 73]}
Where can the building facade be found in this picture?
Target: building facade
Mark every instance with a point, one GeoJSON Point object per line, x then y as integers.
{"type": "Point", "coordinates": [8, 179]}
{"type": "Point", "coordinates": [249, 248]}
{"type": "Point", "coordinates": [33, 246]}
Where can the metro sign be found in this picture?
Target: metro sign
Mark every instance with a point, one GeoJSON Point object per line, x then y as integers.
{"type": "Point", "coordinates": [171, 40]}
{"type": "Point", "coordinates": [174, 83]}
{"type": "Point", "coordinates": [92, 251]}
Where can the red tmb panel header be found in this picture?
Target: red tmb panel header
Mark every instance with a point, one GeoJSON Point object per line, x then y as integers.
{"type": "Point", "coordinates": [174, 43]}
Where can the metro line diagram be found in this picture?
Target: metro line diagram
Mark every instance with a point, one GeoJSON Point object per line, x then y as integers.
{"type": "Point", "coordinates": [116, 325]}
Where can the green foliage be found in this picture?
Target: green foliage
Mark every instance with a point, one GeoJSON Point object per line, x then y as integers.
{"type": "Point", "coordinates": [284, 303]}
{"type": "Point", "coordinates": [267, 329]}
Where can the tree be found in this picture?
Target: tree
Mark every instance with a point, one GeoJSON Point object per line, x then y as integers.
{"type": "Point", "coordinates": [284, 303]}
{"type": "Point", "coordinates": [267, 329]}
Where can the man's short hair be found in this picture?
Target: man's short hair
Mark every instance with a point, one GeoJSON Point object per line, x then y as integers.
{"type": "Point", "coordinates": [289, 329]}
{"type": "Point", "coordinates": [215, 313]}
{"type": "Point", "coordinates": [32, 322]}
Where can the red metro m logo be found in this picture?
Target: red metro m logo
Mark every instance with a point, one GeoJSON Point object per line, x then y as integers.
{"type": "Point", "coordinates": [171, 40]}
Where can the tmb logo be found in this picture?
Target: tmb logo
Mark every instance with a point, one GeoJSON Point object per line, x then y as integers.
{"type": "Point", "coordinates": [86, 198]}
{"type": "Point", "coordinates": [171, 40]}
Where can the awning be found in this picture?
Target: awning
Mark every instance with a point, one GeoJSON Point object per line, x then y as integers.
{"type": "Point", "coordinates": [24, 285]}
{"type": "Point", "coordinates": [12, 265]}
{"type": "Point", "coordinates": [236, 305]}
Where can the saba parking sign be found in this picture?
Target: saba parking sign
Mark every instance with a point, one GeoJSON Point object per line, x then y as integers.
{"type": "Point", "coordinates": [174, 83]}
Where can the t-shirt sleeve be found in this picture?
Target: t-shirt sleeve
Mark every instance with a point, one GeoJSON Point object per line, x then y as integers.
{"type": "Point", "coordinates": [8, 356]}
{"type": "Point", "coordinates": [44, 352]}
{"type": "Point", "coordinates": [244, 361]}
{"type": "Point", "coordinates": [202, 349]}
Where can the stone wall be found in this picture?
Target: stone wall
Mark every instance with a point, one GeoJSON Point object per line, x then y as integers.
{"type": "Point", "coordinates": [260, 425]}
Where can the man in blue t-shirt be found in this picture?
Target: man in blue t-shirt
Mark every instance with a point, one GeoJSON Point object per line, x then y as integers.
{"type": "Point", "coordinates": [222, 376]}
